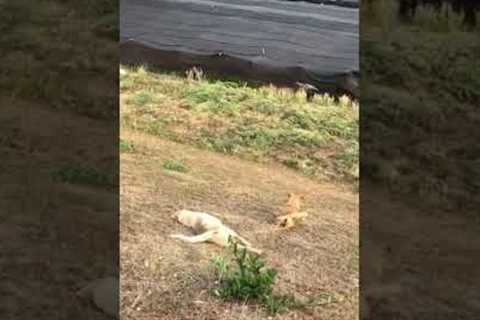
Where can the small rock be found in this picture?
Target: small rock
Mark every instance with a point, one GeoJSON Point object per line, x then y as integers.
{"type": "Point", "coordinates": [104, 294]}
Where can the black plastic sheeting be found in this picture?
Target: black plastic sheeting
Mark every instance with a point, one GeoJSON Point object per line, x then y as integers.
{"type": "Point", "coordinates": [341, 3]}
{"type": "Point", "coordinates": [280, 42]}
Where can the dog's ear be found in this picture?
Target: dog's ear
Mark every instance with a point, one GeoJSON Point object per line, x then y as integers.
{"type": "Point", "coordinates": [290, 194]}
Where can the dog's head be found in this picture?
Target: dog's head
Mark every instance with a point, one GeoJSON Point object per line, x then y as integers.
{"type": "Point", "coordinates": [300, 196]}
{"type": "Point", "coordinates": [183, 216]}
{"type": "Point", "coordinates": [176, 216]}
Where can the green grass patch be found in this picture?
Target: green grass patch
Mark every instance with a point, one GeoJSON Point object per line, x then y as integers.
{"type": "Point", "coordinates": [127, 146]}
{"type": "Point", "coordinates": [51, 60]}
{"type": "Point", "coordinates": [175, 165]}
{"type": "Point", "coordinates": [142, 98]}
{"type": "Point", "coordinates": [258, 123]}
{"type": "Point", "coordinates": [418, 84]}
{"type": "Point", "coordinates": [76, 174]}
{"type": "Point", "coordinates": [246, 278]}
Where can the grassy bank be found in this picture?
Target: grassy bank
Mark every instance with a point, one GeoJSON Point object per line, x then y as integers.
{"type": "Point", "coordinates": [318, 138]}
{"type": "Point", "coordinates": [59, 53]}
{"type": "Point", "coordinates": [421, 89]}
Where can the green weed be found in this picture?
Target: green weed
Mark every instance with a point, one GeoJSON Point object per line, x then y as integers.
{"type": "Point", "coordinates": [142, 98]}
{"type": "Point", "coordinates": [175, 165]}
{"type": "Point", "coordinates": [422, 83]}
{"type": "Point", "coordinates": [127, 146]}
{"type": "Point", "coordinates": [76, 174]}
{"type": "Point", "coordinates": [248, 279]}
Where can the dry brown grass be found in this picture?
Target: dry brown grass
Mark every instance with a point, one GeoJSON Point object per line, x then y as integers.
{"type": "Point", "coordinates": [54, 238]}
{"type": "Point", "coordinates": [167, 279]}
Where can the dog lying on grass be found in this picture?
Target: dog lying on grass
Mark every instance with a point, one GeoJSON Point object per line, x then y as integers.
{"type": "Point", "coordinates": [294, 203]}
{"type": "Point", "coordinates": [288, 221]}
{"type": "Point", "coordinates": [209, 229]}
{"type": "Point", "coordinates": [291, 212]}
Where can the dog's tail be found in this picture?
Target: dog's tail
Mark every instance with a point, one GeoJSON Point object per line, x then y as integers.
{"type": "Point", "coordinates": [242, 240]}
{"type": "Point", "coordinates": [254, 250]}
{"type": "Point", "coordinates": [247, 245]}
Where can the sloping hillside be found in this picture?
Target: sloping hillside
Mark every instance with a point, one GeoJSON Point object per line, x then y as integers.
{"type": "Point", "coordinates": [163, 278]}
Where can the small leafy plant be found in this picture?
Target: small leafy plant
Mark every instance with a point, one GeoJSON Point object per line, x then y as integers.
{"type": "Point", "coordinates": [126, 146]}
{"type": "Point", "coordinates": [248, 279]}
{"type": "Point", "coordinates": [76, 174]}
{"type": "Point", "coordinates": [175, 165]}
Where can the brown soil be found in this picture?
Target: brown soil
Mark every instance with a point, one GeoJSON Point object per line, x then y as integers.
{"type": "Point", "coordinates": [429, 258]}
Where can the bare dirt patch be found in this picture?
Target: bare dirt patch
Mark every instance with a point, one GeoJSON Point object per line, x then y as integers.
{"type": "Point", "coordinates": [419, 261]}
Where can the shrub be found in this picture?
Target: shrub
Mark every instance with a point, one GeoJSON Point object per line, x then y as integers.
{"type": "Point", "coordinates": [249, 280]}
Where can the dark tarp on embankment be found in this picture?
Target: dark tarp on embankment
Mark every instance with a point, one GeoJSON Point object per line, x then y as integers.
{"type": "Point", "coordinates": [342, 3]}
{"type": "Point", "coordinates": [260, 40]}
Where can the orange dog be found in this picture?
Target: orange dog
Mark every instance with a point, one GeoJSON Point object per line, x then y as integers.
{"type": "Point", "coordinates": [291, 212]}
{"type": "Point", "coordinates": [294, 203]}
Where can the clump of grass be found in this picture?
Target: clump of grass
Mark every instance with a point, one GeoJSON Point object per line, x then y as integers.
{"type": "Point", "coordinates": [127, 146]}
{"type": "Point", "coordinates": [76, 174]}
{"type": "Point", "coordinates": [247, 279]}
{"type": "Point", "coordinates": [405, 115]}
{"type": "Point", "coordinates": [142, 98]}
{"type": "Point", "coordinates": [175, 165]}
{"type": "Point", "coordinates": [126, 83]}
{"type": "Point", "coordinates": [195, 74]}
{"type": "Point", "coordinates": [443, 20]}
{"type": "Point", "coordinates": [216, 97]}
{"type": "Point", "coordinates": [41, 45]}
{"type": "Point", "coordinates": [292, 163]}
{"type": "Point", "coordinates": [383, 14]}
